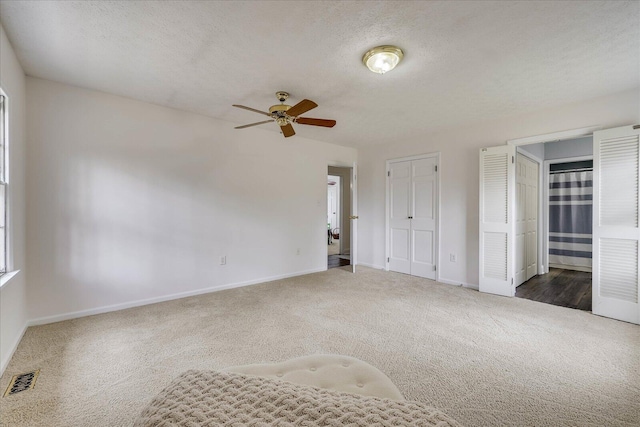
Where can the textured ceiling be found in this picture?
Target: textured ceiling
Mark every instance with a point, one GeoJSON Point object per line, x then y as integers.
{"type": "Point", "coordinates": [464, 62]}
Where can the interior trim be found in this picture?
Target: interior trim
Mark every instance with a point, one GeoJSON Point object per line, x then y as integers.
{"type": "Point", "coordinates": [555, 136]}
{"type": "Point", "coordinates": [138, 303]}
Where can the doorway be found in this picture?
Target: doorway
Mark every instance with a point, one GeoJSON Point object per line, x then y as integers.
{"type": "Point", "coordinates": [338, 214]}
{"type": "Point", "coordinates": [553, 231]}
{"type": "Point", "coordinates": [615, 239]}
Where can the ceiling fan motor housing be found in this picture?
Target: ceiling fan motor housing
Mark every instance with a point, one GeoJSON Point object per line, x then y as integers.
{"type": "Point", "coordinates": [280, 114]}
{"type": "Point", "coordinates": [279, 109]}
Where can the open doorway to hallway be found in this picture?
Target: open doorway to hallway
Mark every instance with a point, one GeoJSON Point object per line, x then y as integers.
{"type": "Point", "coordinates": [338, 212]}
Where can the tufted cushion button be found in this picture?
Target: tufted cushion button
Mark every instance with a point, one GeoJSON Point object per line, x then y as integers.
{"type": "Point", "coordinates": [345, 364]}
{"type": "Point", "coordinates": [279, 374]}
{"type": "Point", "coordinates": [360, 385]}
{"type": "Point", "coordinates": [312, 369]}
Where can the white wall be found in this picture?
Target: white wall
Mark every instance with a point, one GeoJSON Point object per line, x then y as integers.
{"type": "Point", "coordinates": [13, 302]}
{"type": "Point", "coordinates": [459, 167]}
{"type": "Point", "coordinates": [133, 202]}
{"type": "Point", "coordinates": [568, 148]}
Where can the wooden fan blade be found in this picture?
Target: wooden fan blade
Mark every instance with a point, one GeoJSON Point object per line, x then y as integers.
{"type": "Point", "coordinates": [252, 109]}
{"type": "Point", "coordinates": [287, 131]}
{"type": "Point", "coordinates": [253, 124]}
{"type": "Point", "coordinates": [316, 122]}
{"type": "Point", "coordinates": [301, 108]}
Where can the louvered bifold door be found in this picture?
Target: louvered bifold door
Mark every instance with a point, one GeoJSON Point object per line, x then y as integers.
{"type": "Point", "coordinates": [615, 223]}
{"type": "Point", "coordinates": [497, 221]}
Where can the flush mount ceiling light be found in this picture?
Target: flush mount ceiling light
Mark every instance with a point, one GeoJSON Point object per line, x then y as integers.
{"type": "Point", "coordinates": [382, 58]}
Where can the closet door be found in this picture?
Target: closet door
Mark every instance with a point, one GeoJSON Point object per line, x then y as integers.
{"type": "Point", "coordinates": [400, 189]}
{"type": "Point", "coordinates": [531, 241]}
{"type": "Point", "coordinates": [615, 223]}
{"type": "Point", "coordinates": [521, 220]}
{"type": "Point", "coordinates": [423, 217]}
{"type": "Point", "coordinates": [526, 218]}
{"type": "Point", "coordinates": [497, 220]}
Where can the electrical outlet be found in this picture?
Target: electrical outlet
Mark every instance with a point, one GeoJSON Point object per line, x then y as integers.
{"type": "Point", "coordinates": [452, 257]}
{"type": "Point", "coordinates": [223, 260]}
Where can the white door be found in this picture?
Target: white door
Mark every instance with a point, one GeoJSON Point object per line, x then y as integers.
{"type": "Point", "coordinates": [615, 223]}
{"type": "Point", "coordinates": [497, 220]}
{"type": "Point", "coordinates": [533, 171]}
{"type": "Point", "coordinates": [412, 216]}
{"type": "Point", "coordinates": [423, 217]}
{"type": "Point", "coordinates": [400, 189]}
{"type": "Point", "coordinates": [521, 220]}
{"type": "Point", "coordinates": [354, 217]}
{"type": "Point", "coordinates": [526, 218]}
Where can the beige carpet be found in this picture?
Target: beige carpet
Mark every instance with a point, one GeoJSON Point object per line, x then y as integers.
{"type": "Point", "coordinates": [482, 359]}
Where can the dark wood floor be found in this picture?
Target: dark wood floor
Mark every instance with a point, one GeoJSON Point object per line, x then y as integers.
{"type": "Point", "coordinates": [566, 288]}
{"type": "Point", "coordinates": [335, 261]}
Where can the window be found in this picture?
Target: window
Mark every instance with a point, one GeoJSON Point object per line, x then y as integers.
{"type": "Point", "coordinates": [3, 183]}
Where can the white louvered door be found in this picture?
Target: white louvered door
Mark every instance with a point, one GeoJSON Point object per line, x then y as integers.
{"type": "Point", "coordinates": [497, 220]}
{"type": "Point", "coordinates": [615, 223]}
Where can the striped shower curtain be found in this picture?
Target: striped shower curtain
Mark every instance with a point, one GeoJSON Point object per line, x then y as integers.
{"type": "Point", "coordinates": [570, 213]}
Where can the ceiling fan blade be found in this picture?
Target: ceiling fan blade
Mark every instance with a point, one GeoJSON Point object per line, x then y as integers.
{"type": "Point", "coordinates": [253, 124]}
{"type": "Point", "coordinates": [252, 109]}
{"type": "Point", "coordinates": [316, 122]}
{"type": "Point", "coordinates": [301, 108]}
{"type": "Point", "coordinates": [287, 131]}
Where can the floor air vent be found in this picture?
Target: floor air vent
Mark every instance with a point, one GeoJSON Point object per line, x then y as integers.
{"type": "Point", "coordinates": [22, 382]}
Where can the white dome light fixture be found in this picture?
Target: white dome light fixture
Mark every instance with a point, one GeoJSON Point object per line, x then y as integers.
{"type": "Point", "coordinates": [382, 58]}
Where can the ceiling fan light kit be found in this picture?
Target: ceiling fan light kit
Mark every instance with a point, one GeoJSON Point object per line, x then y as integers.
{"type": "Point", "coordinates": [285, 115]}
{"type": "Point", "coordinates": [382, 58]}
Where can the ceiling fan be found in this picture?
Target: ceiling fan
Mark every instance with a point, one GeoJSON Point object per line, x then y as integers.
{"type": "Point", "coordinates": [285, 115]}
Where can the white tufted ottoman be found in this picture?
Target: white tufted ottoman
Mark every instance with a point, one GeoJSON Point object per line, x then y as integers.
{"type": "Point", "coordinates": [340, 373]}
{"type": "Point", "coordinates": [322, 390]}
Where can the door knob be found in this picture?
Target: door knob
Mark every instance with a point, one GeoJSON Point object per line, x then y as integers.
{"type": "Point", "coordinates": [353, 217]}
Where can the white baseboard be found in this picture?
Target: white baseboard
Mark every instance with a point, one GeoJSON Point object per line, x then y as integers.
{"type": "Point", "coordinates": [456, 283]}
{"type": "Point", "coordinates": [366, 264]}
{"type": "Point", "coordinates": [138, 303]}
{"type": "Point", "coordinates": [8, 357]}
{"type": "Point", "coordinates": [571, 267]}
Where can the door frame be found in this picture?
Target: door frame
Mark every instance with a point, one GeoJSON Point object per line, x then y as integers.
{"type": "Point", "coordinates": [353, 209]}
{"type": "Point", "coordinates": [387, 250]}
{"type": "Point", "coordinates": [545, 200]}
{"type": "Point", "coordinates": [339, 207]}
